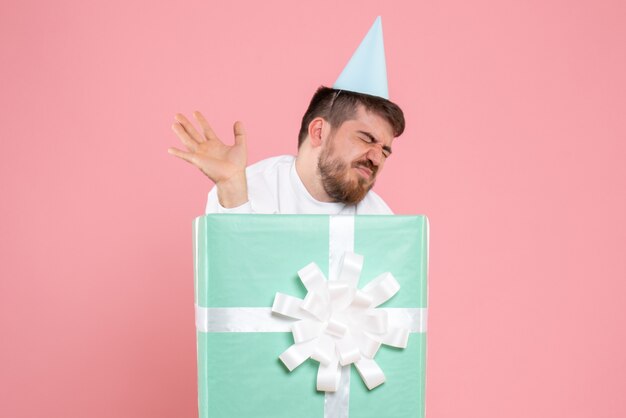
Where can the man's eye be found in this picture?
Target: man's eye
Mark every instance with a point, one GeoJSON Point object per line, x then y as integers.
{"type": "Point", "coordinates": [386, 154]}
{"type": "Point", "coordinates": [366, 139]}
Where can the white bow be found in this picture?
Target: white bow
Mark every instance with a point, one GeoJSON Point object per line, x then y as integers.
{"type": "Point", "coordinates": [339, 323]}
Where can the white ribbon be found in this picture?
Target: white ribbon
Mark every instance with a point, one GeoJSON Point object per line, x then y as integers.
{"type": "Point", "coordinates": [338, 324]}
{"type": "Point", "coordinates": [263, 320]}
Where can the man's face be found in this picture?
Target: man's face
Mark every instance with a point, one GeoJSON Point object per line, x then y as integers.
{"type": "Point", "coordinates": [353, 155]}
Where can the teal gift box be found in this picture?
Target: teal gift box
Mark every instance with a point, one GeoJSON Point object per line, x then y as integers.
{"type": "Point", "coordinates": [242, 261]}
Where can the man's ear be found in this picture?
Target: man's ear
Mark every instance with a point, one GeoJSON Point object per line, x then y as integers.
{"type": "Point", "coordinates": [317, 131]}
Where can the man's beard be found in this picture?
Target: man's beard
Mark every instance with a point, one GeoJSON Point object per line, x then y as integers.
{"type": "Point", "coordinates": [337, 183]}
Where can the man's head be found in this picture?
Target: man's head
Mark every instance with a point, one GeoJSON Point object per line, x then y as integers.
{"type": "Point", "coordinates": [353, 133]}
{"type": "Point", "coordinates": [338, 106]}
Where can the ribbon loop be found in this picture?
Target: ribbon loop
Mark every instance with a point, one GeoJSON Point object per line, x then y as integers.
{"type": "Point", "coordinates": [306, 330]}
{"type": "Point", "coordinates": [369, 346]}
{"type": "Point", "coordinates": [288, 306]}
{"type": "Point", "coordinates": [361, 300]}
{"type": "Point", "coordinates": [350, 270]}
{"type": "Point", "coordinates": [336, 328]}
{"type": "Point", "coordinates": [382, 288]}
{"type": "Point", "coordinates": [325, 350]}
{"type": "Point", "coordinates": [348, 351]}
{"type": "Point", "coordinates": [328, 377]}
{"type": "Point", "coordinates": [370, 372]}
{"type": "Point", "coordinates": [340, 295]}
{"type": "Point", "coordinates": [316, 306]}
{"type": "Point", "coordinates": [396, 337]}
{"type": "Point", "coordinates": [312, 278]}
{"type": "Point", "coordinates": [297, 354]}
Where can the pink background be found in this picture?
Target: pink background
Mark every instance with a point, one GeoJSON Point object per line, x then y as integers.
{"type": "Point", "coordinates": [515, 148]}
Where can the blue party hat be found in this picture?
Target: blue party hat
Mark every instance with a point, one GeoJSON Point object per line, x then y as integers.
{"type": "Point", "coordinates": [366, 72]}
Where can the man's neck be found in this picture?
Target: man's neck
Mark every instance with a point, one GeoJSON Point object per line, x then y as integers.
{"type": "Point", "coordinates": [306, 168]}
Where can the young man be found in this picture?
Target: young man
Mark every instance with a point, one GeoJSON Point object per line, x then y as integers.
{"type": "Point", "coordinates": [344, 141]}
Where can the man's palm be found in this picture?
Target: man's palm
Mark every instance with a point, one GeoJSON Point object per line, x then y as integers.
{"type": "Point", "coordinates": [220, 162]}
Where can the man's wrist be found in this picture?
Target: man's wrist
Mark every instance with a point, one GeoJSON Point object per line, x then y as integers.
{"type": "Point", "coordinates": [233, 192]}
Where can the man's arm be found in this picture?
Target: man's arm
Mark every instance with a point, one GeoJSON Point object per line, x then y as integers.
{"type": "Point", "coordinates": [225, 165]}
{"type": "Point", "coordinates": [213, 205]}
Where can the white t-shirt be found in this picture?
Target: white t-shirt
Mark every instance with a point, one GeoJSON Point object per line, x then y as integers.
{"type": "Point", "coordinates": [275, 187]}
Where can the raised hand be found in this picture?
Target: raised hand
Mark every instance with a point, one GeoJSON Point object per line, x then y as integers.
{"type": "Point", "coordinates": [224, 164]}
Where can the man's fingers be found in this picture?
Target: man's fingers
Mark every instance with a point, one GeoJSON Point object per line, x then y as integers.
{"type": "Point", "coordinates": [187, 156]}
{"type": "Point", "coordinates": [189, 128]}
{"type": "Point", "coordinates": [184, 136]}
{"type": "Point", "coordinates": [240, 133]}
{"type": "Point", "coordinates": [206, 128]}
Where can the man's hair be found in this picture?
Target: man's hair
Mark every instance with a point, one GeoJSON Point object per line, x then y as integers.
{"type": "Point", "coordinates": [338, 106]}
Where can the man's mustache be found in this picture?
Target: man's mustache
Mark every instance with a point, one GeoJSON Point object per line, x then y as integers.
{"type": "Point", "coordinates": [366, 164]}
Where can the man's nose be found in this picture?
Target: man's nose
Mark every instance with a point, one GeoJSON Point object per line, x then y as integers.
{"type": "Point", "coordinates": [375, 154]}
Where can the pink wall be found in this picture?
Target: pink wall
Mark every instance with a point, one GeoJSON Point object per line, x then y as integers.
{"type": "Point", "coordinates": [515, 148]}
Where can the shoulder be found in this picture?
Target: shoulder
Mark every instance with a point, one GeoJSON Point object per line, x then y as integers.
{"type": "Point", "coordinates": [262, 183]}
{"type": "Point", "coordinates": [373, 204]}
